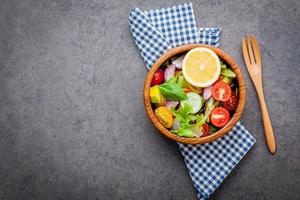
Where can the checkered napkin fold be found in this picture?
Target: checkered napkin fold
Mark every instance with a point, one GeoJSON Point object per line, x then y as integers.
{"type": "Point", "coordinates": [157, 31]}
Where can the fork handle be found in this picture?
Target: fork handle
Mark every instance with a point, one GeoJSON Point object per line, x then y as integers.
{"type": "Point", "coordinates": [267, 123]}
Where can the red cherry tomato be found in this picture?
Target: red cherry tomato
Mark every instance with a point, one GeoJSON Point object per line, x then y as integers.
{"type": "Point", "coordinates": [221, 91]}
{"type": "Point", "coordinates": [158, 77]}
{"type": "Point", "coordinates": [219, 117]}
{"type": "Point", "coordinates": [205, 130]}
{"type": "Point", "coordinates": [232, 103]}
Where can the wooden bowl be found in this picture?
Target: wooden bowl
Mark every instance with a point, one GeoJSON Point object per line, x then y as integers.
{"type": "Point", "coordinates": [236, 116]}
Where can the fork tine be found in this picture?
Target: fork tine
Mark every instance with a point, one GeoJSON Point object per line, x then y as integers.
{"type": "Point", "coordinates": [250, 50]}
{"type": "Point", "coordinates": [245, 52]}
{"type": "Point", "coordinates": [256, 50]}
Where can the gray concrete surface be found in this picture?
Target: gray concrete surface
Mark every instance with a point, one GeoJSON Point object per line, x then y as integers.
{"type": "Point", "coordinates": [72, 122]}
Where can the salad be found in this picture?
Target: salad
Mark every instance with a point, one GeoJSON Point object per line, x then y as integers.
{"type": "Point", "coordinates": [194, 94]}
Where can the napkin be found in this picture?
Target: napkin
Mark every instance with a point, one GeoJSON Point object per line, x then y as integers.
{"type": "Point", "coordinates": [157, 31]}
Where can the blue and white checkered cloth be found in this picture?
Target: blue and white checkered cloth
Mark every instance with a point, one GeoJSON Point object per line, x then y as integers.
{"type": "Point", "coordinates": [157, 31]}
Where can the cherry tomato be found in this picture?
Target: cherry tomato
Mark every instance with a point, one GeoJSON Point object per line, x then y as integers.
{"type": "Point", "coordinates": [158, 77]}
{"type": "Point", "coordinates": [221, 91]}
{"type": "Point", "coordinates": [205, 130]}
{"type": "Point", "coordinates": [219, 117]}
{"type": "Point", "coordinates": [164, 116]}
{"type": "Point", "coordinates": [232, 103]}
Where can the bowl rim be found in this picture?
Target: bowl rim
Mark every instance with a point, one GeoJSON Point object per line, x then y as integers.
{"type": "Point", "coordinates": [235, 117]}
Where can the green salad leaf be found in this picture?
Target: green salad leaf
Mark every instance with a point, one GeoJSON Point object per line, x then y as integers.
{"type": "Point", "coordinates": [184, 132]}
{"type": "Point", "coordinates": [183, 114]}
{"type": "Point", "coordinates": [228, 73]}
{"type": "Point", "coordinates": [173, 79]}
{"type": "Point", "coordinates": [172, 91]}
{"type": "Point", "coordinates": [210, 104]}
{"type": "Point", "coordinates": [212, 129]}
{"type": "Point", "coordinates": [182, 82]}
{"type": "Point", "coordinates": [189, 123]}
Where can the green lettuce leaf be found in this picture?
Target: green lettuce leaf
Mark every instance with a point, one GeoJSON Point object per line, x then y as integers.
{"type": "Point", "coordinates": [189, 123]}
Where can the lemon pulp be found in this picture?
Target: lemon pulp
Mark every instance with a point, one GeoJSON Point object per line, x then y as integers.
{"type": "Point", "coordinates": [201, 67]}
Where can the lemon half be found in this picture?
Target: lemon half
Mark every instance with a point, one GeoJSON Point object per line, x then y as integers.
{"type": "Point", "coordinates": [201, 67]}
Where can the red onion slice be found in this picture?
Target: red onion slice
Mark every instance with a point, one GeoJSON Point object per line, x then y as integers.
{"type": "Point", "coordinates": [169, 72]}
{"type": "Point", "coordinates": [207, 92]}
{"type": "Point", "coordinates": [171, 104]}
{"type": "Point", "coordinates": [176, 124]}
{"type": "Point", "coordinates": [178, 62]}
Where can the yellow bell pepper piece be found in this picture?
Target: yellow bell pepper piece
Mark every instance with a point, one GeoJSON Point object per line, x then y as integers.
{"type": "Point", "coordinates": [163, 102]}
{"type": "Point", "coordinates": [155, 95]}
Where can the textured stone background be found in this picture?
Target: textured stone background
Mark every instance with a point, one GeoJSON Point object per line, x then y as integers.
{"type": "Point", "coordinates": [72, 122]}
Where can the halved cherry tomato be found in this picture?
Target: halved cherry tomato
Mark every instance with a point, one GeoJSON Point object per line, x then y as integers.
{"type": "Point", "coordinates": [164, 116]}
{"type": "Point", "coordinates": [232, 103]}
{"type": "Point", "coordinates": [205, 130]}
{"type": "Point", "coordinates": [158, 77]}
{"type": "Point", "coordinates": [220, 116]}
{"type": "Point", "coordinates": [221, 91]}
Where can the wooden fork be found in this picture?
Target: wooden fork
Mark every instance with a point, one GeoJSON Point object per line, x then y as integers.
{"type": "Point", "coordinates": [253, 62]}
